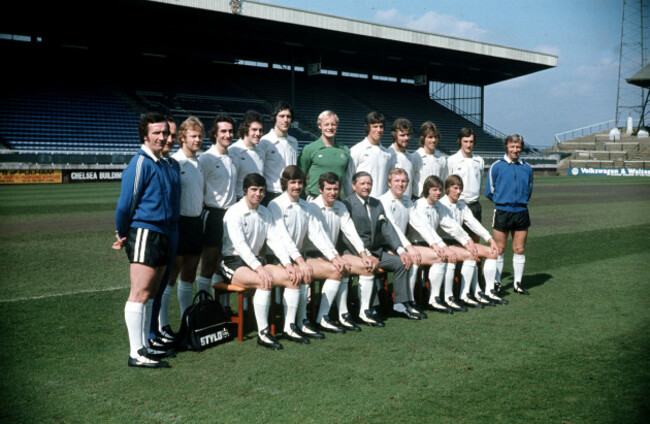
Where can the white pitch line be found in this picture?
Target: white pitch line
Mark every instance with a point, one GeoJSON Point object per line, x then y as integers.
{"type": "Point", "coordinates": [45, 296]}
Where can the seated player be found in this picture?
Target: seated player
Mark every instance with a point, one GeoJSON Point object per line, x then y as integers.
{"type": "Point", "coordinates": [398, 208]}
{"type": "Point", "coordinates": [424, 223]}
{"type": "Point", "coordinates": [247, 225]}
{"type": "Point", "coordinates": [335, 219]}
{"type": "Point", "coordinates": [452, 208]}
{"type": "Point", "coordinates": [290, 211]}
{"type": "Point", "coordinates": [381, 239]}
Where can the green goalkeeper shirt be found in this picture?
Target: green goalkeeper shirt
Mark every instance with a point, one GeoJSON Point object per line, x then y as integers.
{"type": "Point", "coordinates": [317, 158]}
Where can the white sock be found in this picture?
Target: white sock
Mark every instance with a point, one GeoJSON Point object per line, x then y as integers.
{"type": "Point", "coordinates": [366, 287]}
{"type": "Point", "coordinates": [436, 278]}
{"type": "Point", "coordinates": [449, 281]}
{"type": "Point", "coordinates": [399, 307]}
{"type": "Point", "coordinates": [467, 272]}
{"type": "Point", "coordinates": [217, 278]}
{"type": "Point", "coordinates": [518, 262]}
{"type": "Point", "coordinates": [185, 293]}
{"type": "Point", "coordinates": [497, 278]}
{"type": "Point", "coordinates": [165, 300]}
{"type": "Point", "coordinates": [146, 321]}
{"type": "Point", "coordinates": [261, 305]}
{"type": "Point", "coordinates": [302, 304]}
{"type": "Point", "coordinates": [291, 301]}
{"type": "Point", "coordinates": [224, 300]}
{"type": "Point", "coordinates": [133, 313]}
{"type": "Point", "coordinates": [489, 273]}
{"type": "Point", "coordinates": [413, 276]}
{"type": "Point", "coordinates": [204, 284]}
{"type": "Point", "coordinates": [342, 298]}
{"type": "Point", "coordinates": [330, 289]}
{"type": "Point", "coordinates": [278, 295]}
{"type": "Point", "coordinates": [476, 287]}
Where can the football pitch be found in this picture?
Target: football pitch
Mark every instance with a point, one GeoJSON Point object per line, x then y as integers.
{"type": "Point", "coordinates": [577, 350]}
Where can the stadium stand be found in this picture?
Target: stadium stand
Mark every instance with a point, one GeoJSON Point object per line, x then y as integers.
{"type": "Point", "coordinates": [85, 106]}
{"type": "Point", "coordinates": [597, 151]}
{"type": "Point", "coordinates": [76, 118]}
{"type": "Point", "coordinates": [100, 119]}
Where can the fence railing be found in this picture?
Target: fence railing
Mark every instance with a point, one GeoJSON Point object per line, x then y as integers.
{"type": "Point", "coordinates": [470, 117]}
{"type": "Point", "coordinates": [589, 129]}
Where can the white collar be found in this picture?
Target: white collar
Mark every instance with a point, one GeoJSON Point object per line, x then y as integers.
{"type": "Point", "coordinates": [148, 151]}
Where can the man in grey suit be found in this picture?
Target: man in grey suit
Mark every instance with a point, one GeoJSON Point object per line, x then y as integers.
{"type": "Point", "coordinates": [380, 239]}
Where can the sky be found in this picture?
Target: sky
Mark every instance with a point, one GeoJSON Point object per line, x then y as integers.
{"type": "Point", "coordinates": [584, 34]}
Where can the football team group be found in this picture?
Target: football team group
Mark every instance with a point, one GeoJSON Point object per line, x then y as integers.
{"type": "Point", "coordinates": [260, 214]}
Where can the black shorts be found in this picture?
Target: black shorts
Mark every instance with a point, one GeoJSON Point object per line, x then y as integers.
{"type": "Point", "coordinates": [268, 197]}
{"type": "Point", "coordinates": [147, 247]}
{"type": "Point", "coordinates": [213, 226]}
{"type": "Point", "coordinates": [190, 236]}
{"type": "Point", "coordinates": [313, 254]}
{"type": "Point", "coordinates": [505, 221]}
{"type": "Point", "coordinates": [477, 211]}
{"type": "Point", "coordinates": [230, 264]}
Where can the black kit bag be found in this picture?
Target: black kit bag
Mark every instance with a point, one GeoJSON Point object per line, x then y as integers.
{"type": "Point", "coordinates": [204, 324]}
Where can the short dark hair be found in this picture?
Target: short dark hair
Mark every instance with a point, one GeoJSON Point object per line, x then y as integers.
{"type": "Point", "coordinates": [465, 132]}
{"type": "Point", "coordinates": [329, 178]}
{"type": "Point", "coordinates": [170, 119]}
{"type": "Point", "coordinates": [249, 117]}
{"type": "Point", "coordinates": [291, 172]}
{"type": "Point", "coordinates": [425, 129]}
{"type": "Point", "coordinates": [373, 117]}
{"type": "Point", "coordinates": [279, 107]}
{"type": "Point", "coordinates": [514, 138]}
{"type": "Point", "coordinates": [400, 124]}
{"type": "Point", "coordinates": [430, 182]}
{"type": "Point", "coordinates": [360, 174]}
{"type": "Point", "coordinates": [149, 118]}
{"type": "Point", "coordinates": [253, 180]}
{"type": "Point", "coordinates": [222, 117]}
{"type": "Point", "coordinates": [451, 180]}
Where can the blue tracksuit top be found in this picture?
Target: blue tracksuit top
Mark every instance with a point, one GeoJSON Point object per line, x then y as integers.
{"type": "Point", "coordinates": [153, 207]}
{"type": "Point", "coordinates": [509, 185]}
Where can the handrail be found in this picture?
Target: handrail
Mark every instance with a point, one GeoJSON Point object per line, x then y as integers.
{"type": "Point", "coordinates": [589, 129]}
{"type": "Point", "coordinates": [470, 117]}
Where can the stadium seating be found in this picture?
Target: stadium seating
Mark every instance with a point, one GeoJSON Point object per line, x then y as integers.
{"type": "Point", "coordinates": [90, 119]}
{"type": "Point", "coordinates": [57, 118]}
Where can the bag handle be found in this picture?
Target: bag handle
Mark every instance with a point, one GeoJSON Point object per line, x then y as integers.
{"type": "Point", "coordinates": [202, 295]}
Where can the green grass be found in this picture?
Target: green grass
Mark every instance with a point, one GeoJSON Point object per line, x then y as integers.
{"type": "Point", "coordinates": [575, 351]}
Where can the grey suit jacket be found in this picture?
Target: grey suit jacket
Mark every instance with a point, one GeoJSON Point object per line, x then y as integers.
{"type": "Point", "coordinates": [377, 233]}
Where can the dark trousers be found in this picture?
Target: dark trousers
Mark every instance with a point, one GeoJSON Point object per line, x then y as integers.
{"type": "Point", "coordinates": [393, 263]}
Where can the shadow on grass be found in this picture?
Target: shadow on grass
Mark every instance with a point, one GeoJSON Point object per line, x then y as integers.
{"type": "Point", "coordinates": [530, 282]}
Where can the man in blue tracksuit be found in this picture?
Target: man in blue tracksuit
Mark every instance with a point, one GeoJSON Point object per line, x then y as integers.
{"type": "Point", "coordinates": [159, 338]}
{"type": "Point", "coordinates": [144, 221]}
{"type": "Point", "coordinates": [509, 186]}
